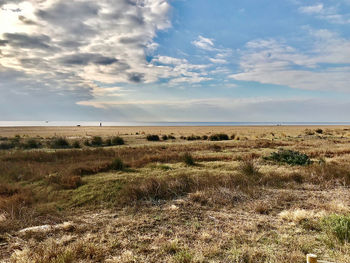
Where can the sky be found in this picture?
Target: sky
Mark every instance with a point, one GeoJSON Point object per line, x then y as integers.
{"type": "Point", "coordinates": [175, 60]}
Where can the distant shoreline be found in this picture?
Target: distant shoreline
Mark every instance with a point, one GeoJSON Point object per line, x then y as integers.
{"type": "Point", "coordinates": [19, 124]}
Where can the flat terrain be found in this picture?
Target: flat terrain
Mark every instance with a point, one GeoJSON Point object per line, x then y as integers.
{"type": "Point", "coordinates": [267, 194]}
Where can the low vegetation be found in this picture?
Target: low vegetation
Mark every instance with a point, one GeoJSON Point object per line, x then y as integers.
{"type": "Point", "coordinates": [153, 138]}
{"type": "Point", "coordinates": [176, 201]}
{"type": "Point", "coordinates": [289, 157]}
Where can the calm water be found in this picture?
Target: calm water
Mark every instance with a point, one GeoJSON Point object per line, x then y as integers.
{"type": "Point", "coordinates": [95, 123]}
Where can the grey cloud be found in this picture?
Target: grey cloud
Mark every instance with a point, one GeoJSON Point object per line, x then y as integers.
{"type": "Point", "coordinates": [4, 2]}
{"type": "Point", "coordinates": [86, 58]}
{"type": "Point", "coordinates": [68, 11]}
{"type": "Point", "coordinates": [21, 40]}
{"type": "Point", "coordinates": [3, 42]}
{"type": "Point", "coordinates": [136, 77]}
{"type": "Point", "coordinates": [26, 20]}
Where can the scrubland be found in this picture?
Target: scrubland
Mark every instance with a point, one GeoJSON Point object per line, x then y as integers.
{"type": "Point", "coordinates": [259, 194]}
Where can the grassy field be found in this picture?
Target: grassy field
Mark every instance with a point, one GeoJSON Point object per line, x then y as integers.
{"type": "Point", "coordinates": [107, 194]}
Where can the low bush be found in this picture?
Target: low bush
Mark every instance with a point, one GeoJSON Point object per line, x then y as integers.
{"type": "Point", "coordinates": [117, 165]}
{"type": "Point", "coordinates": [96, 141]}
{"type": "Point", "coordinates": [171, 137]}
{"type": "Point", "coordinates": [249, 168]}
{"type": "Point", "coordinates": [117, 141]}
{"type": "Point", "coordinates": [337, 226]}
{"type": "Point", "coordinates": [31, 144]}
{"type": "Point", "coordinates": [165, 137]}
{"type": "Point", "coordinates": [193, 138]}
{"type": "Point", "coordinates": [233, 136]}
{"type": "Point", "coordinates": [188, 159]}
{"type": "Point", "coordinates": [319, 131]}
{"type": "Point", "coordinates": [219, 137]}
{"type": "Point", "coordinates": [76, 144]}
{"type": "Point", "coordinates": [108, 142]}
{"type": "Point", "coordinates": [289, 157]}
{"type": "Point", "coordinates": [153, 138]}
{"type": "Point", "coordinates": [6, 146]}
{"type": "Point", "coordinates": [59, 143]}
{"type": "Point", "coordinates": [205, 137]}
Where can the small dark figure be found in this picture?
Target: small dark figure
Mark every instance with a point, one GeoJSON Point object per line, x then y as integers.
{"type": "Point", "coordinates": [100, 124]}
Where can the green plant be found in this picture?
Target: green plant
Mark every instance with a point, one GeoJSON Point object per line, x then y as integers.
{"type": "Point", "coordinates": [76, 144]}
{"type": "Point", "coordinates": [117, 141]}
{"type": "Point", "coordinates": [289, 157]}
{"type": "Point", "coordinates": [87, 143]}
{"type": "Point", "coordinates": [193, 137]}
{"type": "Point", "coordinates": [319, 131]}
{"type": "Point", "coordinates": [59, 143]}
{"type": "Point", "coordinates": [165, 137]}
{"type": "Point", "coordinates": [6, 146]}
{"type": "Point", "coordinates": [183, 256]}
{"type": "Point", "coordinates": [117, 165]}
{"type": "Point", "coordinates": [337, 226]}
{"type": "Point", "coordinates": [205, 137]}
{"type": "Point", "coordinates": [96, 141]}
{"type": "Point", "coordinates": [219, 137]}
{"type": "Point", "coordinates": [108, 142]}
{"type": "Point", "coordinates": [151, 137]}
{"type": "Point", "coordinates": [31, 144]}
{"type": "Point", "coordinates": [188, 159]}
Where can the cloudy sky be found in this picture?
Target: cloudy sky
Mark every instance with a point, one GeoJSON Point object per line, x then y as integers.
{"type": "Point", "coordinates": [175, 60]}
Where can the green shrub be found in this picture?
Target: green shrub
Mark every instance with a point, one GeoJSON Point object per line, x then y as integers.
{"type": "Point", "coordinates": [117, 141]}
{"type": "Point", "coordinates": [96, 141]}
{"type": "Point", "coordinates": [183, 256]}
{"type": "Point", "coordinates": [31, 144]}
{"type": "Point", "coordinates": [188, 159]}
{"type": "Point", "coordinates": [193, 137]}
{"type": "Point", "coordinates": [59, 143]}
{"type": "Point", "coordinates": [219, 137]}
{"type": "Point", "coordinates": [171, 137]}
{"type": "Point", "coordinates": [319, 131]}
{"type": "Point", "coordinates": [76, 144]}
{"type": "Point", "coordinates": [165, 137]}
{"type": "Point", "coordinates": [87, 143]}
{"type": "Point", "coordinates": [205, 137]}
{"type": "Point", "coordinates": [6, 146]}
{"type": "Point", "coordinates": [117, 165]}
{"type": "Point", "coordinates": [289, 157]}
{"type": "Point", "coordinates": [108, 142]}
{"type": "Point", "coordinates": [337, 226]}
{"type": "Point", "coordinates": [153, 138]}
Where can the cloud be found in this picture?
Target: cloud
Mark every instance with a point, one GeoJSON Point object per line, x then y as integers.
{"type": "Point", "coordinates": [314, 9]}
{"type": "Point", "coordinates": [204, 43]}
{"type": "Point", "coordinates": [79, 43]}
{"type": "Point", "coordinates": [325, 66]}
{"type": "Point", "coordinates": [330, 13]}
{"type": "Point", "coordinates": [260, 109]}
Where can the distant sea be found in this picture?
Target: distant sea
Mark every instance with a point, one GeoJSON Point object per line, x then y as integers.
{"type": "Point", "coordinates": [96, 123]}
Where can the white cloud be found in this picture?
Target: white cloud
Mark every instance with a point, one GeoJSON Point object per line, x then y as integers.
{"type": "Point", "coordinates": [314, 9]}
{"type": "Point", "coordinates": [325, 67]}
{"type": "Point", "coordinates": [204, 43]}
{"type": "Point", "coordinates": [329, 13]}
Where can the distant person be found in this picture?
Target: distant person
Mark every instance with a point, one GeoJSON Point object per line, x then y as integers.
{"type": "Point", "coordinates": [100, 124]}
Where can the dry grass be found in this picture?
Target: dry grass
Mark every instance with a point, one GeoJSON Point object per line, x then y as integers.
{"type": "Point", "coordinates": [231, 206]}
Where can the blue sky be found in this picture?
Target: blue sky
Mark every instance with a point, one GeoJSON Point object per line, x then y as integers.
{"type": "Point", "coordinates": [176, 60]}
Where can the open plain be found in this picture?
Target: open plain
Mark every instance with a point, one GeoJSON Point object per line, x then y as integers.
{"type": "Point", "coordinates": [185, 194]}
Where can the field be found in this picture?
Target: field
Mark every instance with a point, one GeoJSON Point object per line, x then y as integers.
{"type": "Point", "coordinates": [109, 194]}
